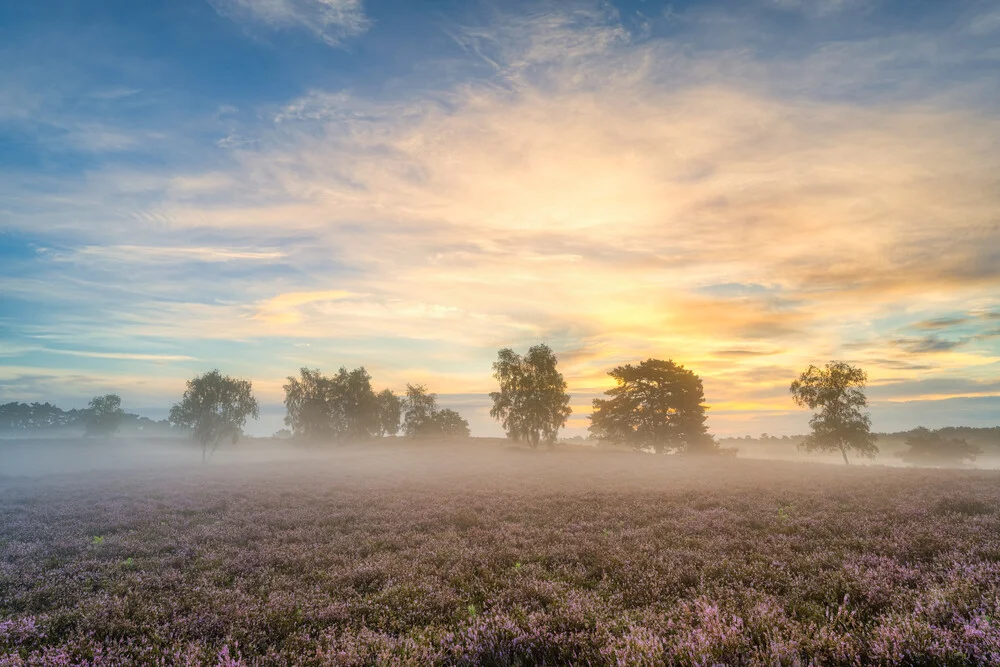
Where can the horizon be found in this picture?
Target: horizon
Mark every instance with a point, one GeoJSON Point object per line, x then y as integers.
{"type": "Point", "coordinates": [746, 189]}
{"type": "Point", "coordinates": [476, 410]}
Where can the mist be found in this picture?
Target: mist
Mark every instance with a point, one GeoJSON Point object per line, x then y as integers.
{"type": "Point", "coordinates": [64, 457]}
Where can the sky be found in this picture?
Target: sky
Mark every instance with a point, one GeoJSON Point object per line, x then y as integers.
{"type": "Point", "coordinates": [746, 188]}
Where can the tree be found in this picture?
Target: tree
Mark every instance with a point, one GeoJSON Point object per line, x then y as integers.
{"type": "Point", "coordinates": [532, 404]}
{"type": "Point", "coordinates": [390, 410]}
{"type": "Point", "coordinates": [838, 390]}
{"type": "Point", "coordinates": [340, 407]}
{"type": "Point", "coordinates": [656, 404]}
{"type": "Point", "coordinates": [311, 404]}
{"type": "Point", "coordinates": [933, 448]}
{"type": "Point", "coordinates": [450, 424]}
{"type": "Point", "coordinates": [419, 407]}
{"type": "Point", "coordinates": [359, 404]}
{"type": "Point", "coordinates": [422, 419]}
{"type": "Point", "coordinates": [104, 415]}
{"type": "Point", "coordinates": [215, 407]}
{"type": "Point", "coordinates": [24, 416]}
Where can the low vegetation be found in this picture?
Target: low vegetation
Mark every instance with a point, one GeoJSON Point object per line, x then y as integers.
{"type": "Point", "coordinates": [503, 557]}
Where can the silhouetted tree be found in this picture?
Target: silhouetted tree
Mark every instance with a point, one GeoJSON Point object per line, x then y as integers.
{"type": "Point", "coordinates": [311, 403]}
{"type": "Point", "coordinates": [532, 404]}
{"type": "Point", "coordinates": [214, 407]}
{"type": "Point", "coordinates": [338, 407]}
{"type": "Point", "coordinates": [422, 419]}
{"type": "Point", "coordinates": [360, 407]}
{"type": "Point", "coordinates": [104, 415]}
{"type": "Point", "coordinates": [29, 416]}
{"type": "Point", "coordinates": [449, 423]}
{"type": "Point", "coordinates": [390, 412]}
{"type": "Point", "coordinates": [419, 407]}
{"type": "Point", "coordinates": [841, 424]}
{"type": "Point", "coordinates": [933, 448]}
{"type": "Point", "coordinates": [656, 404]}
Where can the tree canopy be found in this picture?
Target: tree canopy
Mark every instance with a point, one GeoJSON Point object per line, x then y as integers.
{"type": "Point", "coordinates": [449, 423]}
{"type": "Point", "coordinates": [841, 424]}
{"type": "Point", "coordinates": [656, 404]}
{"type": "Point", "coordinates": [422, 419]}
{"type": "Point", "coordinates": [934, 448]}
{"type": "Point", "coordinates": [16, 416]}
{"type": "Point", "coordinates": [104, 415]}
{"type": "Point", "coordinates": [340, 407]}
{"type": "Point", "coordinates": [390, 410]}
{"type": "Point", "coordinates": [532, 404]}
{"type": "Point", "coordinates": [215, 407]}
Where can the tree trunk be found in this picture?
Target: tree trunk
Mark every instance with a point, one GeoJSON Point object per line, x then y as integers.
{"type": "Point", "coordinates": [843, 451]}
{"type": "Point", "coordinates": [533, 439]}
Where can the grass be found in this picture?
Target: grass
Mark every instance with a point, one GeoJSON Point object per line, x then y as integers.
{"type": "Point", "coordinates": [505, 558]}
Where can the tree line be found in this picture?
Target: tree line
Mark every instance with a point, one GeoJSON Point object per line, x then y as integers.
{"type": "Point", "coordinates": [656, 405]}
{"type": "Point", "coordinates": [102, 417]}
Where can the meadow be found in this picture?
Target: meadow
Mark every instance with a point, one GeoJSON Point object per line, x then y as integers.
{"type": "Point", "coordinates": [492, 555]}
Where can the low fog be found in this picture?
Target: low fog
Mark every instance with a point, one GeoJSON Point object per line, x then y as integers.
{"type": "Point", "coordinates": [60, 458]}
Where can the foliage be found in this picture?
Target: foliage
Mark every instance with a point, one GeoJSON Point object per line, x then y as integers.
{"type": "Point", "coordinates": [419, 407]}
{"type": "Point", "coordinates": [104, 415]}
{"type": "Point", "coordinates": [838, 390]}
{"type": "Point", "coordinates": [342, 407]}
{"type": "Point", "coordinates": [310, 402]}
{"type": "Point", "coordinates": [630, 561]}
{"type": "Point", "coordinates": [31, 416]}
{"type": "Point", "coordinates": [214, 407]}
{"type": "Point", "coordinates": [422, 419]}
{"type": "Point", "coordinates": [358, 404]}
{"type": "Point", "coordinates": [532, 404]}
{"type": "Point", "coordinates": [449, 423]}
{"type": "Point", "coordinates": [27, 418]}
{"type": "Point", "coordinates": [932, 448]}
{"type": "Point", "coordinates": [656, 404]}
{"type": "Point", "coordinates": [390, 411]}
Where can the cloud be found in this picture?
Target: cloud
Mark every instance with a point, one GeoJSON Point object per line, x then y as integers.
{"type": "Point", "coordinates": [822, 8]}
{"type": "Point", "coordinates": [13, 349]}
{"type": "Point", "coordinates": [129, 356]}
{"type": "Point", "coordinates": [744, 353]}
{"type": "Point", "coordinates": [939, 388]}
{"type": "Point", "coordinates": [331, 21]}
{"type": "Point", "coordinates": [619, 196]}
{"type": "Point", "coordinates": [941, 323]}
{"type": "Point", "coordinates": [983, 23]}
{"type": "Point", "coordinates": [69, 387]}
{"type": "Point", "coordinates": [520, 46]}
{"type": "Point", "coordinates": [285, 308]}
{"type": "Point", "coordinates": [897, 364]}
{"type": "Point", "coordinates": [132, 253]}
{"type": "Point", "coordinates": [927, 344]}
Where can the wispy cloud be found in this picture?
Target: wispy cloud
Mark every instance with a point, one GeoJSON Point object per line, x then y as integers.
{"type": "Point", "coordinates": [332, 21]}
{"type": "Point", "coordinates": [927, 344]}
{"type": "Point", "coordinates": [941, 323]}
{"type": "Point", "coordinates": [128, 356]}
{"type": "Point", "coordinates": [618, 194]}
{"type": "Point", "coordinates": [131, 253]}
{"type": "Point", "coordinates": [822, 7]}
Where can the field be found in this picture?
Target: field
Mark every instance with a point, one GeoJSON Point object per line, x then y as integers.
{"type": "Point", "coordinates": [499, 556]}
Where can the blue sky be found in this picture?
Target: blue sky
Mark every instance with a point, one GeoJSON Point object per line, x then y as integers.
{"type": "Point", "coordinates": [747, 188]}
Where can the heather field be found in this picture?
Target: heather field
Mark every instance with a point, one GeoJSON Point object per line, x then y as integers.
{"type": "Point", "coordinates": [476, 555]}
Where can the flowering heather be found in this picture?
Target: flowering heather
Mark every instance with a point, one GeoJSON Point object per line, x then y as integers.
{"type": "Point", "coordinates": [502, 557]}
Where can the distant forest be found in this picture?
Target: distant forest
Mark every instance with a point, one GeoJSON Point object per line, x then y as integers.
{"type": "Point", "coordinates": [43, 419]}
